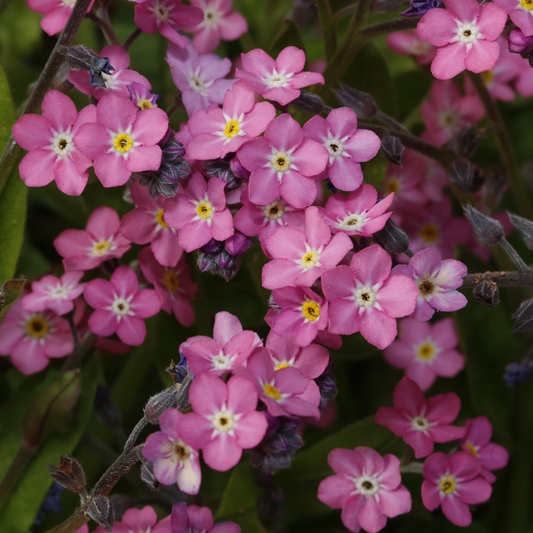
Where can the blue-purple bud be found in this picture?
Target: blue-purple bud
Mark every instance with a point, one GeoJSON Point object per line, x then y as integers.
{"type": "Point", "coordinates": [417, 8]}
{"type": "Point", "coordinates": [517, 372]}
{"type": "Point", "coordinates": [238, 244]}
{"type": "Point", "coordinates": [238, 170]}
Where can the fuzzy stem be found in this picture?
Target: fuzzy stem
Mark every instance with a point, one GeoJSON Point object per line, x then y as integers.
{"type": "Point", "coordinates": [131, 39]}
{"type": "Point", "coordinates": [388, 26]}
{"type": "Point", "coordinates": [16, 469]}
{"type": "Point", "coordinates": [514, 256]}
{"type": "Point", "coordinates": [74, 360]}
{"type": "Point", "coordinates": [325, 15]}
{"type": "Point", "coordinates": [502, 278]}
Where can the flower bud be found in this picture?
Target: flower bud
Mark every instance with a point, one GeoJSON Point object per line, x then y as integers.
{"type": "Point", "coordinates": [393, 149]}
{"type": "Point", "coordinates": [360, 102]}
{"type": "Point", "coordinates": [466, 176]}
{"type": "Point", "coordinates": [523, 317]}
{"type": "Point", "coordinates": [488, 230]}
{"type": "Point", "coordinates": [221, 168]}
{"type": "Point", "coordinates": [237, 244]}
{"type": "Point", "coordinates": [487, 291]}
{"type": "Point", "coordinates": [517, 372]}
{"type": "Point", "coordinates": [69, 474]}
{"type": "Point", "coordinates": [392, 238]}
{"type": "Point", "coordinates": [238, 170]}
{"type": "Point", "coordinates": [79, 57]}
{"type": "Point", "coordinates": [147, 475]}
{"type": "Point", "coordinates": [327, 387]}
{"type": "Point", "coordinates": [417, 8]}
{"type": "Point", "coordinates": [178, 372]}
{"type": "Point", "coordinates": [309, 103]}
{"type": "Point", "coordinates": [520, 43]}
{"type": "Point", "coordinates": [524, 227]}
{"type": "Point", "coordinates": [101, 510]}
{"type": "Point", "coordinates": [159, 403]}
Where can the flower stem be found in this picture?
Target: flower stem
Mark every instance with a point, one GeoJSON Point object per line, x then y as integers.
{"type": "Point", "coordinates": [131, 39]}
{"type": "Point", "coordinates": [502, 278]}
{"type": "Point", "coordinates": [16, 469]}
{"type": "Point", "coordinates": [325, 15]}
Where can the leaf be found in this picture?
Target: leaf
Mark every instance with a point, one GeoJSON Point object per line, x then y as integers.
{"type": "Point", "coordinates": [9, 292]}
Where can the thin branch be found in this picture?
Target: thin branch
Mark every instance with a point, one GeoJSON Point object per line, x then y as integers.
{"type": "Point", "coordinates": [501, 278]}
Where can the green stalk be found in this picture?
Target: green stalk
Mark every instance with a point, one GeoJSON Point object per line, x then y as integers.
{"type": "Point", "coordinates": [325, 16]}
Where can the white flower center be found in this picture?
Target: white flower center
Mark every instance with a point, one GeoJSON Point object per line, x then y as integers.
{"type": "Point", "coordinates": [335, 147]}
{"type": "Point", "coordinates": [273, 211]}
{"type": "Point", "coordinates": [367, 485]}
{"type": "Point", "coordinates": [310, 258]}
{"type": "Point", "coordinates": [210, 17]}
{"type": "Point", "coordinates": [181, 451]}
{"type": "Point", "coordinates": [223, 422]}
{"type": "Point", "coordinates": [467, 33]}
{"type": "Point", "coordinates": [68, 3]}
{"type": "Point", "coordinates": [353, 222]}
{"type": "Point", "coordinates": [365, 297]}
{"type": "Point", "coordinates": [62, 143]}
{"type": "Point", "coordinates": [161, 12]}
{"type": "Point", "coordinates": [121, 307]}
{"type": "Point", "coordinates": [101, 247]}
{"type": "Point", "coordinates": [221, 361]}
{"type": "Point", "coordinates": [277, 79]}
{"type": "Point", "coordinates": [419, 423]}
{"type": "Point", "coordinates": [426, 352]}
{"type": "Point", "coordinates": [58, 293]}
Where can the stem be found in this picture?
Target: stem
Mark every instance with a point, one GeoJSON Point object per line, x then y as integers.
{"type": "Point", "coordinates": [12, 149]}
{"type": "Point", "coordinates": [12, 476]}
{"type": "Point", "coordinates": [131, 39]}
{"type": "Point", "coordinates": [325, 16]}
{"type": "Point", "coordinates": [134, 435]}
{"type": "Point", "coordinates": [516, 184]}
{"type": "Point", "coordinates": [502, 278]}
{"type": "Point", "coordinates": [102, 19]}
{"type": "Point", "coordinates": [74, 360]}
{"type": "Point", "coordinates": [389, 26]}
{"type": "Point", "coordinates": [514, 256]}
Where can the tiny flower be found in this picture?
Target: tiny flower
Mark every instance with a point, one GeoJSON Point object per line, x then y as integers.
{"type": "Point", "coordinates": [120, 306]}
{"type": "Point", "coordinates": [33, 338]}
{"type": "Point", "coordinates": [224, 421]}
{"type": "Point", "coordinates": [194, 519]}
{"type": "Point", "coordinates": [410, 43]}
{"type": "Point", "coordinates": [279, 80]}
{"type": "Point", "coordinates": [141, 96]}
{"type": "Point", "coordinates": [53, 293]}
{"type": "Point", "coordinates": [420, 422]}
{"type": "Point", "coordinates": [367, 487]}
{"type": "Point", "coordinates": [453, 483]}
{"type": "Point", "coordinates": [89, 248]}
{"type": "Point", "coordinates": [465, 33]}
{"type": "Point", "coordinates": [174, 460]}
{"type": "Point", "coordinates": [56, 13]}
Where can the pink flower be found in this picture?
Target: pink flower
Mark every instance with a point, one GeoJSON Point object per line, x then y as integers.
{"type": "Point", "coordinates": [347, 146]}
{"type": "Point", "coordinates": [52, 142]}
{"type": "Point", "coordinates": [521, 13]}
{"type": "Point", "coordinates": [364, 297]}
{"type": "Point", "coordinates": [426, 351]}
{"type": "Point", "coordinates": [53, 293]}
{"type": "Point", "coordinates": [194, 519]}
{"type": "Point", "coordinates": [465, 33]}
{"type": "Point", "coordinates": [282, 164]}
{"type": "Point", "coordinates": [359, 213]}
{"type": "Point", "coordinates": [89, 248]}
{"type": "Point", "coordinates": [174, 460]}
{"type": "Point", "coordinates": [139, 521]}
{"type": "Point", "coordinates": [141, 96]}
{"type": "Point", "coordinates": [56, 13]}
{"type": "Point", "coordinates": [219, 23]}
{"type": "Point", "coordinates": [217, 132]}
{"type": "Point", "coordinates": [167, 17]}
{"type": "Point", "coordinates": [200, 78]}
{"type": "Point", "coordinates": [476, 441]}
{"type": "Point", "coordinates": [121, 306]}
{"type": "Point", "coordinates": [367, 487]}
{"type": "Point", "coordinates": [200, 213]}
{"type": "Point", "coordinates": [224, 421]}
{"type": "Point", "coordinates": [453, 483]}
{"type": "Point", "coordinates": [420, 422]}
{"type": "Point", "coordinates": [229, 349]}
{"type": "Point", "coordinates": [301, 258]}
{"type": "Point", "coordinates": [436, 281]}
{"type": "Point", "coordinates": [123, 140]}
{"type": "Point", "coordinates": [115, 83]}
{"type": "Point", "coordinates": [279, 80]}
{"type": "Point", "coordinates": [173, 285]}
{"type": "Point", "coordinates": [146, 224]}
{"type": "Point", "coordinates": [410, 43]}
{"type": "Point", "coordinates": [33, 338]}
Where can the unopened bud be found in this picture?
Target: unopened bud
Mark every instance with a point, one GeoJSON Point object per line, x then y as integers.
{"type": "Point", "coordinates": [488, 230]}
{"type": "Point", "coordinates": [487, 291]}
{"type": "Point", "coordinates": [178, 372]}
{"type": "Point", "coordinates": [79, 57]}
{"type": "Point", "coordinates": [465, 143]}
{"type": "Point", "coordinates": [466, 176]}
{"type": "Point", "coordinates": [517, 372]}
{"type": "Point", "coordinates": [327, 387]}
{"type": "Point", "coordinates": [392, 238]}
{"type": "Point", "coordinates": [147, 475]}
{"type": "Point", "coordinates": [10, 291]}
{"type": "Point", "coordinates": [360, 102]}
{"type": "Point", "coordinates": [520, 43]}
{"type": "Point", "coordinates": [69, 474]}
{"type": "Point", "coordinates": [101, 510]}
{"type": "Point", "coordinates": [309, 103]}
{"type": "Point", "coordinates": [159, 403]}
{"type": "Point", "coordinates": [237, 168]}
{"type": "Point", "coordinates": [237, 244]}
{"type": "Point", "coordinates": [393, 149]}
{"type": "Point", "coordinates": [525, 228]}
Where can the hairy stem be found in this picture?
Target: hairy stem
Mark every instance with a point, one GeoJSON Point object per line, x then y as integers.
{"type": "Point", "coordinates": [12, 476]}
{"type": "Point", "coordinates": [131, 39]}
{"type": "Point", "coordinates": [501, 278]}
{"type": "Point", "coordinates": [74, 360]}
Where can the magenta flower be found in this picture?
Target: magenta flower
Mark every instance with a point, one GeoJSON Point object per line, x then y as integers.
{"type": "Point", "coordinates": [453, 483]}
{"type": "Point", "coordinates": [123, 140]}
{"type": "Point", "coordinates": [465, 33]}
{"type": "Point", "coordinates": [200, 78]}
{"type": "Point", "coordinates": [200, 213]}
{"type": "Point", "coordinates": [279, 80]}
{"type": "Point", "coordinates": [139, 521]}
{"type": "Point", "coordinates": [359, 213]}
{"type": "Point", "coordinates": [224, 421]}
{"type": "Point", "coordinates": [365, 297]}
{"type": "Point", "coordinates": [229, 348]}
{"type": "Point", "coordinates": [347, 146]}
{"type": "Point", "coordinates": [56, 13]}
{"type": "Point", "coordinates": [115, 83]}
{"type": "Point", "coordinates": [52, 142]}
{"type": "Point", "coordinates": [141, 96]}
{"type": "Point", "coordinates": [194, 519]}
{"type": "Point", "coordinates": [436, 281]}
{"type": "Point", "coordinates": [426, 351]}
{"type": "Point", "coordinates": [174, 460]}
{"type": "Point", "coordinates": [173, 285]}
{"type": "Point", "coordinates": [33, 338]}
{"type": "Point", "coordinates": [55, 294]}
{"type": "Point", "coordinates": [217, 132]}
{"type": "Point", "coordinates": [89, 248]}
{"type": "Point", "coordinates": [282, 163]}
{"type": "Point", "coordinates": [146, 224]}
{"type": "Point", "coordinates": [120, 306]}
{"type": "Point", "coordinates": [420, 422]}
{"type": "Point", "coordinates": [219, 23]}
{"type": "Point", "coordinates": [301, 258]}
{"type": "Point", "coordinates": [521, 13]}
{"type": "Point", "coordinates": [367, 487]}
{"type": "Point", "coordinates": [476, 441]}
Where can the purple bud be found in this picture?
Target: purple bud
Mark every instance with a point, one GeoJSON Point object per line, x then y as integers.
{"type": "Point", "coordinates": [238, 170]}
{"type": "Point", "coordinates": [487, 291]}
{"type": "Point", "coordinates": [212, 247]}
{"type": "Point", "coordinates": [237, 244]}
{"type": "Point", "coordinates": [488, 230]}
{"type": "Point", "coordinates": [520, 43]}
{"type": "Point", "coordinates": [69, 474]}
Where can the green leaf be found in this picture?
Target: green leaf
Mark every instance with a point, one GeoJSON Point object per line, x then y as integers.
{"type": "Point", "coordinates": [7, 111]}
{"type": "Point", "coordinates": [9, 292]}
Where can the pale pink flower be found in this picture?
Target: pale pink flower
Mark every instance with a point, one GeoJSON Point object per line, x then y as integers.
{"type": "Point", "coordinates": [174, 460]}
{"type": "Point", "coordinates": [426, 351]}
{"type": "Point", "coordinates": [420, 422]}
{"type": "Point", "coordinates": [453, 482]}
{"type": "Point", "coordinates": [139, 521]}
{"type": "Point", "coordinates": [51, 140]}
{"type": "Point", "coordinates": [194, 519]}
{"type": "Point", "coordinates": [465, 33]}
{"type": "Point", "coordinates": [57, 294]}
{"type": "Point", "coordinates": [89, 248]}
{"type": "Point", "coordinates": [367, 487]}
{"type": "Point", "coordinates": [56, 13]}
{"type": "Point", "coordinates": [120, 306]}
{"type": "Point", "coordinates": [224, 421]}
{"type": "Point", "coordinates": [409, 43]}
{"type": "Point", "coordinates": [521, 13]}
{"type": "Point", "coordinates": [279, 80]}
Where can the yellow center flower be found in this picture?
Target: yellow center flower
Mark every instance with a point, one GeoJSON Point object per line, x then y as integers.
{"type": "Point", "coordinates": [527, 4]}
{"type": "Point", "coordinates": [272, 392]}
{"type": "Point", "coordinates": [171, 281]}
{"type": "Point", "coordinates": [447, 484]}
{"type": "Point", "coordinates": [123, 143]}
{"type": "Point", "coordinates": [231, 129]}
{"type": "Point", "coordinates": [204, 210]}
{"type": "Point", "coordinates": [311, 310]}
{"type": "Point", "coordinates": [144, 104]}
{"type": "Point", "coordinates": [280, 162]}
{"type": "Point", "coordinates": [471, 449]}
{"type": "Point", "coordinates": [429, 233]}
{"type": "Point", "coordinates": [101, 248]}
{"type": "Point", "coordinates": [309, 259]}
{"type": "Point", "coordinates": [160, 220]}
{"type": "Point", "coordinates": [426, 351]}
{"type": "Point", "coordinates": [37, 327]}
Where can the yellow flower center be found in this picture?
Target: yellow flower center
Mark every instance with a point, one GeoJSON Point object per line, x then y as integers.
{"type": "Point", "coordinates": [37, 327]}
{"type": "Point", "coordinates": [123, 143]}
{"type": "Point", "coordinates": [160, 220]}
{"type": "Point", "coordinates": [272, 392]}
{"type": "Point", "coordinates": [171, 281]}
{"type": "Point", "coordinates": [425, 287]}
{"type": "Point", "coordinates": [471, 449]}
{"type": "Point", "coordinates": [273, 211]}
{"type": "Point", "coordinates": [309, 259]}
{"type": "Point", "coordinates": [429, 233]}
{"type": "Point", "coordinates": [101, 248]}
{"type": "Point", "coordinates": [144, 104]}
{"type": "Point", "coordinates": [204, 210]}
{"type": "Point", "coordinates": [311, 310]}
{"type": "Point", "coordinates": [447, 484]}
{"type": "Point", "coordinates": [487, 76]}
{"type": "Point", "coordinates": [231, 129]}
{"type": "Point", "coordinates": [426, 351]}
{"type": "Point", "coordinates": [527, 4]}
{"type": "Point", "coordinates": [223, 421]}
{"type": "Point", "coordinates": [392, 185]}
{"type": "Point", "coordinates": [283, 365]}
{"type": "Point", "coordinates": [280, 162]}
